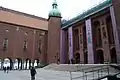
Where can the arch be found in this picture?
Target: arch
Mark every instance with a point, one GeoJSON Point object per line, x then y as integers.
{"type": "Point", "coordinates": [77, 58]}
{"type": "Point", "coordinates": [97, 49]}
{"type": "Point", "coordinates": [100, 57]}
{"type": "Point", "coordinates": [24, 64]}
{"type": "Point", "coordinates": [20, 64]}
{"type": "Point", "coordinates": [28, 63]}
{"type": "Point", "coordinates": [113, 55]}
{"type": "Point", "coordinates": [36, 62]}
{"type": "Point", "coordinates": [17, 63]}
{"type": "Point", "coordinates": [8, 62]}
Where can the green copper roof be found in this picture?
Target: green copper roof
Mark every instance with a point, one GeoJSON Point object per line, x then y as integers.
{"type": "Point", "coordinates": [88, 13]}
{"type": "Point", "coordinates": [55, 12]}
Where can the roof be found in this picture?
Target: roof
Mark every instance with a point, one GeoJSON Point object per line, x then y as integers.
{"type": "Point", "coordinates": [88, 13]}
{"type": "Point", "coordinates": [23, 19]}
{"type": "Point", "coordinates": [21, 13]}
{"type": "Point", "coordinates": [54, 12]}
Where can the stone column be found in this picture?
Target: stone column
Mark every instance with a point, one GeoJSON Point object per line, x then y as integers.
{"type": "Point", "coordinates": [22, 65]}
{"type": "Point", "coordinates": [62, 46]}
{"type": "Point", "coordinates": [89, 34]}
{"type": "Point", "coordinates": [105, 42]}
{"type": "Point", "coordinates": [13, 64]}
{"type": "Point", "coordinates": [115, 16]}
{"type": "Point", "coordinates": [2, 62]}
{"type": "Point", "coordinates": [70, 38]}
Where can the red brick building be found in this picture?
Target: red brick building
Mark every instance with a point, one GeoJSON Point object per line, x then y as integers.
{"type": "Point", "coordinates": [23, 37]}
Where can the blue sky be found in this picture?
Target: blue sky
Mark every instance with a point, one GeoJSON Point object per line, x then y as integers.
{"type": "Point", "coordinates": [41, 8]}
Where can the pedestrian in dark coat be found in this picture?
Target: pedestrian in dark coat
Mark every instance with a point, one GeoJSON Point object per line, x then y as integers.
{"type": "Point", "coordinates": [4, 68]}
{"type": "Point", "coordinates": [33, 72]}
{"type": "Point", "coordinates": [7, 69]}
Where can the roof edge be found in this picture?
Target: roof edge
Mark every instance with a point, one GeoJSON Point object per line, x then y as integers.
{"type": "Point", "coordinates": [21, 13]}
{"type": "Point", "coordinates": [70, 22]}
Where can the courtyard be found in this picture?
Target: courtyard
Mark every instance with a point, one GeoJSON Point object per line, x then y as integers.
{"type": "Point", "coordinates": [42, 74]}
{"type": "Point", "coordinates": [54, 72]}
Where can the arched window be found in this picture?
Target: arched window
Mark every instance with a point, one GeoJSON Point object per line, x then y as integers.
{"type": "Point", "coordinates": [99, 38]}
{"type": "Point", "coordinates": [97, 34]}
{"type": "Point", "coordinates": [76, 39]}
{"type": "Point", "coordinates": [5, 44]}
{"type": "Point", "coordinates": [100, 57]}
{"type": "Point", "coordinates": [39, 46]}
{"type": "Point", "coordinates": [104, 32]}
{"type": "Point", "coordinates": [25, 45]}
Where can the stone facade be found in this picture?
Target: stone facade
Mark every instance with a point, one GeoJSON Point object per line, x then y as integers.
{"type": "Point", "coordinates": [94, 38]}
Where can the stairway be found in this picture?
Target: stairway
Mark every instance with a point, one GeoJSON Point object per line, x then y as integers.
{"type": "Point", "coordinates": [73, 67]}
{"type": "Point", "coordinates": [99, 71]}
{"type": "Point", "coordinates": [116, 66]}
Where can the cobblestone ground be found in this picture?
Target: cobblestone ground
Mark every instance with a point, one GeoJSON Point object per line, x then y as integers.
{"type": "Point", "coordinates": [41, 75]}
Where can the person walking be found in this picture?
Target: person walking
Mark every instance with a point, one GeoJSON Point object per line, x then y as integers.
{"type": "Point", "coordinates": [4, 68]}
{"type": "Point", "coordinates": [7, 69]}
{"type": "Point", "coordinates": [32, 72]}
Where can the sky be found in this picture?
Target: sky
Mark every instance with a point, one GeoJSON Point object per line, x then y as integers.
{"type": "Point", "coordinates": [41, 8]}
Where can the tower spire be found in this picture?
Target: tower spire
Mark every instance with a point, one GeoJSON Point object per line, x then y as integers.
{"type": "Point", "coordinates": [55, 12]}
{"type": "Point", "coordinates": [54, 4]}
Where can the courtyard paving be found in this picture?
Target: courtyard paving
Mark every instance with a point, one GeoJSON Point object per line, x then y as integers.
{"type": "Point", "coordinates": [42, 74]}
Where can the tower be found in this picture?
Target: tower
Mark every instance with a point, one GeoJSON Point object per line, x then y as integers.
{"type": "Point", "coordinates": [54, 24]}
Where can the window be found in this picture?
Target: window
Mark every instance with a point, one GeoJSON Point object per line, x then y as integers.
{"type": "Point", "coordinates": [76, 36]}
{"type": "Point", "coordinates": [99, 38]}
{"type": "Point", "coordinates": [104, 33]}
{"type": "Point", "coordinates": [26, 34]}
{"type": "Point", "coordinates": [39, 46]}
{"type": "Point", "coordinates": [81, 39]}
{"type": "Point", "coordinates": [25, 45]}
{"type": "Point", "coordinates": [5, 44]}
{"type": "Point", "coordinates": [41, 33]}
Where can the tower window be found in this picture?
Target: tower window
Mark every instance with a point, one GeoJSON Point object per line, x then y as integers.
{"type": "Point", "coordinates": [5, 44]}
{"type": "Point", "coordinates": [25, 45]}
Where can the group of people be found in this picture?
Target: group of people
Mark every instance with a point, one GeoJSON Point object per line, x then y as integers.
{"type": "Point", "coordinates": [6, 69]}
{"type": "Point", "coordinates": [32, 71]}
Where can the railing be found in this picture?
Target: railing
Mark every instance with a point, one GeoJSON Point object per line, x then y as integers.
{"type": "Point", "coordinates": [92, 73]}
{"type": "Point", "coordinates": [110, 77]}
